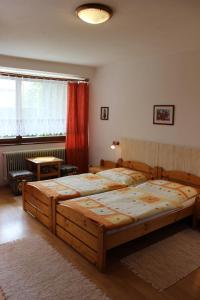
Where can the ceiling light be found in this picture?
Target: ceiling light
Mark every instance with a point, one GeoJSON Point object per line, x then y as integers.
{"type": "Point", "coordinates": [94, 13]}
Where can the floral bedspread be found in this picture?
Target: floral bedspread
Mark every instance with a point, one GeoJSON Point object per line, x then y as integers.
{"type": "Point", "coordinates": [69, 187]}
{"type": "Point", "coordinates": [121, 207]}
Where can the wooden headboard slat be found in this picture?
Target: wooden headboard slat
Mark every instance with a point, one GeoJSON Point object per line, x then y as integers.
{"type": "Point", "coordinates": [138, 166]}
{"type": "Point", "coordinates": [182, 177]}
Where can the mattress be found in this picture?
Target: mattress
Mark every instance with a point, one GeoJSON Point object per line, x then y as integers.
{"type": "Point", "coordinates": [75, 186]}
{"type": "Point", "coordinates": [70, 187]}
{"type": "Point", "coordinates": [185, 204]}
{"type": "Point", "coordinates": [119, 208]}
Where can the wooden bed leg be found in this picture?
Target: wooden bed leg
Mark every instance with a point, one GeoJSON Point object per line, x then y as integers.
{"type": "Point", "coordinates": [53, 215]}
{"type": "Point", "coordinates": [101, 259]}
{"type": "Point", "coordinates": [101, 162]}
{"type": "Point", "coordinates": [194, 222]}
{"type": "Point", "coordinates": [158, 172]}
{"type": "Point", "coordinates": [24, 182]}
{"type": "Point", "coordinates": [196, 215]}
{"type": "Point", "coordinates": [119, 162]}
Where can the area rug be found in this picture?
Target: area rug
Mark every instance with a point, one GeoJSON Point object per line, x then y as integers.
{"type": "Point", "coordinates": [1, 294]}
{"type": "Point", "coordinates": [31, 269]}
{"type": "Point", "coordinates": [165, 262]}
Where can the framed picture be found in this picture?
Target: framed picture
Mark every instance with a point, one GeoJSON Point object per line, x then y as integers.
{"type": "Point", "coordinates": [163, 114]}
{"type": "Point", "coordinates": [104, 113]}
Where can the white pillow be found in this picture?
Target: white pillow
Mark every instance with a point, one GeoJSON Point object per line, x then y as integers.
{"type": "Point", "coordinates": [124, 176]}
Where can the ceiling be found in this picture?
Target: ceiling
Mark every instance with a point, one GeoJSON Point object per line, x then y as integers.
{"type": "Point", "coordinates": [49, 30]}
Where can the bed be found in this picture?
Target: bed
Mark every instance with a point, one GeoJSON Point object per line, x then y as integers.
{"type": "Point", "coordinates": [92, 225]}
{"type": "Point", "coordinates": [40, 198]}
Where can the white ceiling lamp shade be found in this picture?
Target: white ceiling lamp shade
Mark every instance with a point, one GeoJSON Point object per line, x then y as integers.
{"type": "Point", "coordinates": [94, 13]}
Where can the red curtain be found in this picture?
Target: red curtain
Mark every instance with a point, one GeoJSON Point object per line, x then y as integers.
{"type": "Point", "coordinates": [77, 125]}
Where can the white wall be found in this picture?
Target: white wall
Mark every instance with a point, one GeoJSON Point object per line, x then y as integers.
{"type": "Point", "coordinates": [131, 89]}
{"type": "Point", "coordinates": [46, 66]}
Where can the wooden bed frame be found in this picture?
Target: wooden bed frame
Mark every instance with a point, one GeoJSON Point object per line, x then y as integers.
{"type": "Point", "coordinates": [149, 171]}
{"type": "Point", "coordinates": [43, 207]}
{"type": "Point", "coordinates": [37, 204]}
{"type": "Point", "coordinates": [93, 241]}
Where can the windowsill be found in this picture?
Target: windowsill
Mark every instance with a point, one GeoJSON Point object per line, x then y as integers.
{"type": "Point", "coordinates": [32, 140]}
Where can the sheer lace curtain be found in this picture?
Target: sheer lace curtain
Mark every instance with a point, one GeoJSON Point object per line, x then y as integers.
{"type": "Point", "coordinates": [7, 107]}
{"type": "Point", "coordinates": [32, 107]}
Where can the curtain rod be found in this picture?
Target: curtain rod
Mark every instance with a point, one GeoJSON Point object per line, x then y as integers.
{"type": "Point", "coordinates": [41, 77]}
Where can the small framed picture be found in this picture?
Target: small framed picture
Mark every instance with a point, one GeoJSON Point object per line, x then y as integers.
{"type": "Point", "coordinates": [104, 113]}
{"type": "Point", "coordinates": [163, 114]}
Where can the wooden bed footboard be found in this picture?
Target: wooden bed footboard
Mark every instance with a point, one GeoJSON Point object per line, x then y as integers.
{"type": "Point", "coordinates": [83, 234]}
{"type": "Point", "coordinates": [93, 241]}
{"type": "Point", "coordinates": [38, 205]}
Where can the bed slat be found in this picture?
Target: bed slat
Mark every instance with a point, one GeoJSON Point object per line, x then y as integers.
{"type": "Point", "coordinates": [121, 237]}
{"type": "Point", "coordinates": [77, 231]}
{"type": "Point", "coordinates": [39, 205]}
{"type": "Point", "coordinates": [79, 219]}
{"type": "Point", "coordinates": [36, 213]}
{"type": "Point", "coordinates": [36, 193]}
{"type": "Point", "coordinates": [77, 244]}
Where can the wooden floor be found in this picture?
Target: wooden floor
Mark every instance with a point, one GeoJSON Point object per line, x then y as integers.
{"type": "Point", "coordinates": [118, 283]}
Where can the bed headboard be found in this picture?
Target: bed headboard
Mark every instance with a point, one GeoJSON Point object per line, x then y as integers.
{"type": "Point", "coordinates": [138, 150]}
{"type": "Point", "coordinates": [167, 156]}
{"type": "Point", "coordinates": [183, 158]}
{"type": "Point", "coordinates": [138, 166]}
{"type": "Point", "coordinates": [181, 177]}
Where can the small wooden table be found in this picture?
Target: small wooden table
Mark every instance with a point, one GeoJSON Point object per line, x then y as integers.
{"type": "Point", "coordinates": [45, 167]}
{"type": "Point", "coordinates": [104, 165]}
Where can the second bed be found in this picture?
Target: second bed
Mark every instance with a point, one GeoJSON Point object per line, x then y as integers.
{"type": "Point", "coordinates": [94, 224]}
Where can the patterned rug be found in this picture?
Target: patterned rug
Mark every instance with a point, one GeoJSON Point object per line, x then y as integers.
{"type": "Point", "coordinates": [165, 262]}
{"type": "Point", "coordinates": [31, 269]}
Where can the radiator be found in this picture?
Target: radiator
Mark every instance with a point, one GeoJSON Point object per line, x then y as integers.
{"type": "Point", "coordinates": [16, 160]}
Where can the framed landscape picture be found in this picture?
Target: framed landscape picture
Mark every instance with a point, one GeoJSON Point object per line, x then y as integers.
{"type": "Point", "coordinates": [104, 113]}
{"type": "Point", "coordinates": [163, 114]}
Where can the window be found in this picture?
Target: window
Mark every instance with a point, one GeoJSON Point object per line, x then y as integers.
{"type": "Point", "coordinates": [32, 107]}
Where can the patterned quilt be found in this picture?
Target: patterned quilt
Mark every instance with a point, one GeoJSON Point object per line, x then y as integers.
{"type": "Point", "coordinates": [69, 187]}
{"type": "Point", "coordinates": [124, 175]}
{"type": "Point", "coordinates": [117, 208]}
